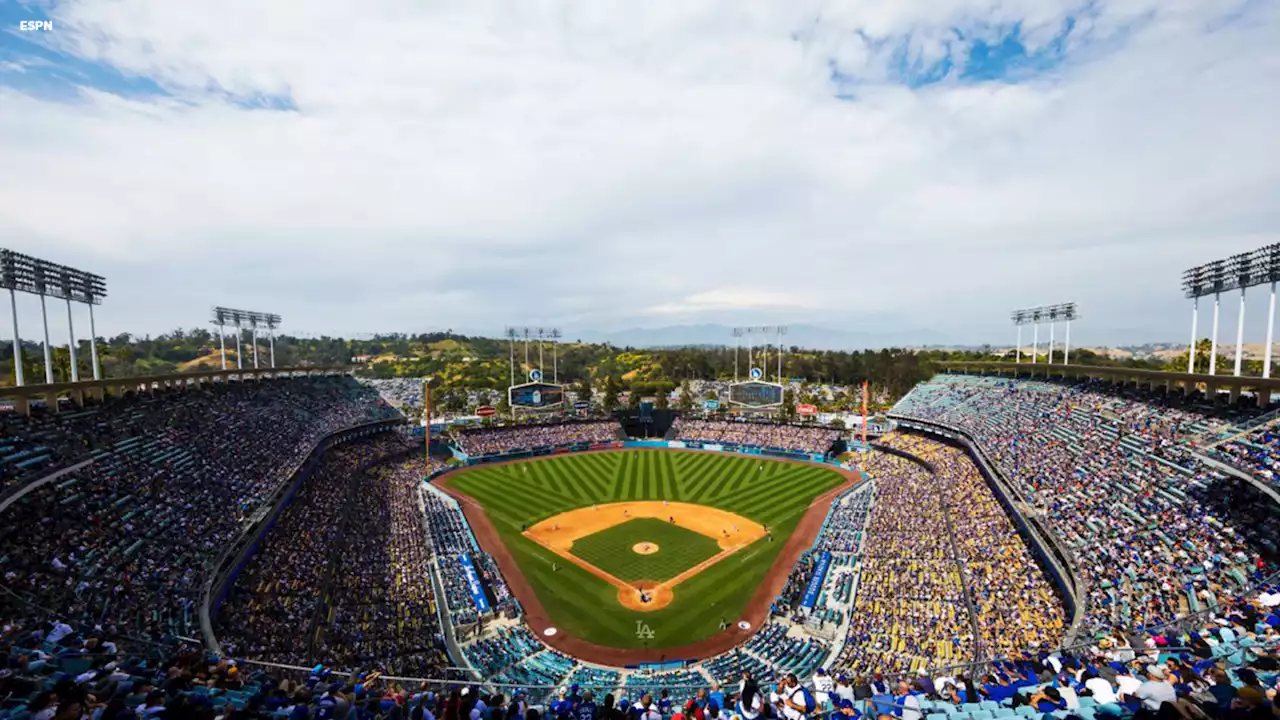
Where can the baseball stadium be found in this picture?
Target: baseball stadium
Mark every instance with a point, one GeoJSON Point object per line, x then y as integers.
{"type": "Point", "coordinates": [1005, 537]}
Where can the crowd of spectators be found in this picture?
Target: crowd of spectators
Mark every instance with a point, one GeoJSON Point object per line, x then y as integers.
{"type": "Point", "coordinates": [797, 438]}
{"type": "Point", "coordinates": [1257, 452]}
{"type": "Point", "coordinates": [1156, 533]}
{"type": "Point", "coordinates": [1222, 669]}
{"type": "Point", "coordinates": [498, 439]}
{"type": "Point", "coordinates": [847, 521]}
{"type": "Point", "coordinates": [382, 608]}
{"type": "Point", "coordinates": [450, 537]}
{"type": "Point", "coordinates": [274, 606]}
{"type": "Point", "coordinates": [1016, 606]}
{"type": "Point", "coordinates": [169, 481]}
{"type": "Point", "coordinates": [909, 612]}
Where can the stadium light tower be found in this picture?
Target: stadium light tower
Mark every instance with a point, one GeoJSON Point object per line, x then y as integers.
{"type": "Point", "coordinates": [1036, 316]}
{"type": "Point", "coordinates": [1193, 286]}
{"type": "Point", "coordinates": [1270, 272]}
{"type": "Point", "coordinates": [1240, 268]}
{"type": "Point", "coordinates": [27, 274]}
{"type": "Point", "coordinates": [737, 342]}
{"type": "Point", "coordinates": [512, 334]}
{"type": "Point", "coordinates": [1051, 312]}
{"type": "Point", "coordinates": [67, 287]}
{"type": "Point", "coordinates": [782, 330]}
{"type": "Point", "coordinates": [554, 334]}
{"type": "Point", "coordinates": [1068, 312]}
{"type": "Point", "coordinates": [223, 316]}
{"type": "Point", "coordinates": [220, 319]}
{"type": "Point", "coordinates": [1019, 318]}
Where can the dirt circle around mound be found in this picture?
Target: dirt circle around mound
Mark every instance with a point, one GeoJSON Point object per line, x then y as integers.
{"type": "Point", "coordinates": [754, 614]}
{"type": "Point", "coordinates": [646, 596]}
{"type": "Point", "coordinates": [645, 548]}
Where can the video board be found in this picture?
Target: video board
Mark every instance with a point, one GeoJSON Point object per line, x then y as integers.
{"type": "Point", "coordinates": [536, 395]}
{"type": "Point", "coordinates": [755, 394]}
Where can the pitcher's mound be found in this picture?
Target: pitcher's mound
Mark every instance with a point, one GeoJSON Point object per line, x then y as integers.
{"type": "Point", "coordinates": [644, 548]}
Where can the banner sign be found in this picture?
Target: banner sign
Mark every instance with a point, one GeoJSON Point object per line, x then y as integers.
{"type": "Point", "coordinates": [473, 584]}
{"type": "Point", "coordinates": [581, 405]}
{"type": "Point", "coordinates": [675, 444]}
{"type": "Point", "coordinates": [713, 447]}
{"type": "Point", "coordinates": [711, 404]}
{"type": "Point", "coordinates": [486, 411]}
{"type": "Point", "coordinates": [815, 582]}
{"type": "Point", "coordinates": [806, 409]}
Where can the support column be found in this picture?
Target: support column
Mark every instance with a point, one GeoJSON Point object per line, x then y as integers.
{"type": "Point", "coordinates": [239, 355]}
{"type": "Point", "coordinates": [1035, 344]}
{"type": "Point", "coordinates": [1213, 347]}
{"type": "Point", "coordinates": [222, 344]}
{"type": "Point", "coordinates": [1066, 346]}
{"type": "Point", "coordinates": [17, 342]}
{"type": "Point", "coordinates": [271, 336]}
{"type": "Point", "coordinates": [1191, 356]}
{"type": "Point", "coordinates": [254, 334]}
{"type": "Point", "coordinates": [1051, 327]}
{"type": "Point", "coordinates": [1019, 357]}
{"type": "Point", "coordinates": [48, 350]}
{"type": "Point", "coordinates": [1240, 337]}
{"type": "Point", "coordinates": [1271, 322]}
{"type": "Point", "coordinates": [93, 345]}
{"type": "Point", "coordinates": [71, 332]}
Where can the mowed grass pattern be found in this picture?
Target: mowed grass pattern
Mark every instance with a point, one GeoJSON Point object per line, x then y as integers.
{"type": "Point", "coordinates": [612, 550]}
{"type": "Point", "coordinates": [773, 493]}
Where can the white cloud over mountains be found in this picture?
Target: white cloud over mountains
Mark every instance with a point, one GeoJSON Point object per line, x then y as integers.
{"type": "Point", "coordinates": [599, 164]}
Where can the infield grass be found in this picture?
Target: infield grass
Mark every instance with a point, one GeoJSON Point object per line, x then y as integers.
{"type": "Point", "coordinates": [612, 550]}
{"type": "Point", "coordinates": [773, 493]}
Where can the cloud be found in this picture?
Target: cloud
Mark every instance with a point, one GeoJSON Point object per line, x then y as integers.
{"type": "Point", "coordinates": [731, 299]}
{"type": "Point", "coordinates": [402, 166]}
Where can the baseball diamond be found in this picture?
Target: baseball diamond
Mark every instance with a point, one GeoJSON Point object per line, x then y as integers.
{"type": "Point", "coordinates": [571, 525]}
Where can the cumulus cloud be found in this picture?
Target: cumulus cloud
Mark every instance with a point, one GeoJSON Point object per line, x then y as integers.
{"type": "Point", "coordinates": [403, 166]}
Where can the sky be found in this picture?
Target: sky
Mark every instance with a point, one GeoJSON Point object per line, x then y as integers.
{"type": "Point", "coordinates": [408, 165]}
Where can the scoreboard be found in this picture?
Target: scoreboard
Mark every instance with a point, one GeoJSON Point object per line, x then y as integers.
{"type": "Point", "coordinates": [755, 394]}
{"type": "Point", "coordinates": [535, 395]}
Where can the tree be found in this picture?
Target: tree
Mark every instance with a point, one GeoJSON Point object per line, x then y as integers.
{"type": "Point", "coordinates": [837, 423]}
{"type": "Point", "coordinates": [789, 404]}
{"type": "Point", "coordinates": [686, 396]}
{"type": "Point", "coordinates": [611, 390]}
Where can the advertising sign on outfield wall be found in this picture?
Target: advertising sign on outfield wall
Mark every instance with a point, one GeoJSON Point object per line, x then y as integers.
{"type": "Point", "coordinates": [805, 409]}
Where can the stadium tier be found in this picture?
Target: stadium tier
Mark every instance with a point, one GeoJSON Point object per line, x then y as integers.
{"type": "Point", "coordinates": [344, 572]}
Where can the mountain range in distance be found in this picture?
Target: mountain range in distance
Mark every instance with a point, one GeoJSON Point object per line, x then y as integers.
{"type": "Point", "coordinates": [811, 337]}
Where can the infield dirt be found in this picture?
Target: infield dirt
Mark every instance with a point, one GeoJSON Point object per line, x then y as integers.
{"type": "Point", "coordinates": [731, 531]}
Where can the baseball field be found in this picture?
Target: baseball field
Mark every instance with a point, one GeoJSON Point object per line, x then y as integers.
{"type": "Point", "coordinates": [645, 548]}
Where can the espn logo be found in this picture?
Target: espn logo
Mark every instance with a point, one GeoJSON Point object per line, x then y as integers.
{"type": "Point", "coordinates": [35, 25]}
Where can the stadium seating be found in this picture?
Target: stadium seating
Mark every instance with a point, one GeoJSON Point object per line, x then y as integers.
{"type": "Point", "coordinates": [795, 438]}
{"type": "Point", "coordinates": [124, 538]}
{"type": "Point", "coordinates": [479, 442]}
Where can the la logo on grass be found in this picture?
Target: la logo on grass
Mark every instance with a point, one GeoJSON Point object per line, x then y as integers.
{"type": "Point", "coordinates": [643, 631]}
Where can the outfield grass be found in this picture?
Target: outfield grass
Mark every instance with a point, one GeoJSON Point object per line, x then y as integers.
{"type": "Point", "coordinates": [773, 493]}
{"type": "Point", "coordinates": [678, 550]}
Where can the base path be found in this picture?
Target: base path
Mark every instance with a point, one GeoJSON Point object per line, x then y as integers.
{"type": "Point", "coordinates": [755, 613]}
